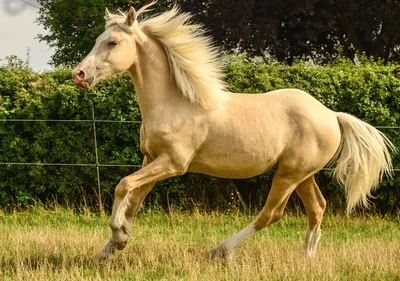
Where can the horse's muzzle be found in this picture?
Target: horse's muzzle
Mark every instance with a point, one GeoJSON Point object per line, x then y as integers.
{"type": "Point", "coordinates": [81, 80]}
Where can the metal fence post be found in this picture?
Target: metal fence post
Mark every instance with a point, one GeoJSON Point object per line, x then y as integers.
{"type": "Point", "coordinates": [101, 207]}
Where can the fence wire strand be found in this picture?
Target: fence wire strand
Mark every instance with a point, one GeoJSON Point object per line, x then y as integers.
{"type": "Point", "coordinates": [97, 164]}
{"type": "Point", "coordinates": [93, 121]}
{"type": "Point", "coordinates": [71, 121]}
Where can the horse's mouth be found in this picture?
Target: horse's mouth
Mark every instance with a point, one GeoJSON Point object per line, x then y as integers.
{"type": "Point", "coordinates": [84, 83]}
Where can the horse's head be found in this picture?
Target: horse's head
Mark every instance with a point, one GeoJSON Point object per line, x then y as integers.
{"type": "Point", "coordinates": [114, 51]}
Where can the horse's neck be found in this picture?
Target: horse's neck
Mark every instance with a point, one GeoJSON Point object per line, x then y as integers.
{"type": "Point", "coordinates": [152, 78]}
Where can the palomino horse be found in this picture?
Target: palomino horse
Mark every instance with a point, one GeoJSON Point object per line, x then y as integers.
{"type": "Point", "coordinates": [191, 123]}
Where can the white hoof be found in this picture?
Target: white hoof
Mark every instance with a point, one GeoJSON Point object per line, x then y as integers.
{"type": "Point", "coordinates": [108, 250]}
{"type": "Point", "coordinates": [219, 254]}
{"type": "Point", "coordinates": [310, 253]}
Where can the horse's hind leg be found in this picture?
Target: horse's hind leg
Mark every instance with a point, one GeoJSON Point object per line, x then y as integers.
{"type": "Point", "coordinates": [281, 189]}
{"type": "Point", "coordinates": [315, 204]}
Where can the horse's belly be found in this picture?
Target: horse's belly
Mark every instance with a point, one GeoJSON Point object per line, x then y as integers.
{"type": "Point", "coordinates": [232, 165]}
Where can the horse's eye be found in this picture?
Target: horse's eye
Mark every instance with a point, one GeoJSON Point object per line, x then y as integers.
{"type": "Point", "coordinates": [112, 43]}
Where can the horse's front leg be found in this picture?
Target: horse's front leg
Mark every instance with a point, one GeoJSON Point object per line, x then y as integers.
{"type": "Point", "coordinates": [130, 193]}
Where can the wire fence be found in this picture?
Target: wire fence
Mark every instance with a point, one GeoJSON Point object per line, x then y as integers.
{"type": "Point", "coordinates": [97, 164]}
{"type": "Point", "coordinates": [94, 122]}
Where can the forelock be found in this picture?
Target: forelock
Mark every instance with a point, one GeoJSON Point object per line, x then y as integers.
{"type": "Point", "coordinates": [119, 20]}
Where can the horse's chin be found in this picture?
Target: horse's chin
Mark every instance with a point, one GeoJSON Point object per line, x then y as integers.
{"type": "Point", "coordinates": [84, 84]}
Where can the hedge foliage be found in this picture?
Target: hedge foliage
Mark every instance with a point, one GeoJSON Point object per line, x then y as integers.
{"type": "Point", "coordinates": [370, 91]}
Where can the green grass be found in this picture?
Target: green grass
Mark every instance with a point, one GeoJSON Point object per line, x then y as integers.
{"type": "Point", "coordinates": [61, 245]}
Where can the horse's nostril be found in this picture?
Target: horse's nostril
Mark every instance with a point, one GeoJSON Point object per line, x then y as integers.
{"type": "Point", "coordinates": [81, 74]}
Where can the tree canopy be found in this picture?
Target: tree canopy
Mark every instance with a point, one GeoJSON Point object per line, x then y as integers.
{"type": "Point", "coordinates": [73, 25]}
{"type": "Point", "coordinates": [285, 29]}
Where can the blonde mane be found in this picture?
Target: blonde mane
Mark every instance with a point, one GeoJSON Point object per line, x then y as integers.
{"type": "Point", "coordinates": [192, 58]}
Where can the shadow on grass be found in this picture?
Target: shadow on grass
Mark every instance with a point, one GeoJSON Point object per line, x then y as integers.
{"type": "Point", "coordinates": [90, 260]}
{"type": "Point", "coordinates": [51, 261]}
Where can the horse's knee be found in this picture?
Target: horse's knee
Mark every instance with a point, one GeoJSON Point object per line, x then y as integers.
{"type": "Point", "coordinates": [122, 188]}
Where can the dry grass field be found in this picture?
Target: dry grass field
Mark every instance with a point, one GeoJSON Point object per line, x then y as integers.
{"type": "Point", "coordinates": [61, 245]}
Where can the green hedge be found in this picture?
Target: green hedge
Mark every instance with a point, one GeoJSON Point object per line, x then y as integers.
{"type": "Point", "coordinates": [370, 91]}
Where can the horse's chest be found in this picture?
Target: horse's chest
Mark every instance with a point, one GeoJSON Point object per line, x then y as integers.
{"type": "Point", "coordinates": [171, 141]}
{"type": "Point", "coordinates": [149, 145]}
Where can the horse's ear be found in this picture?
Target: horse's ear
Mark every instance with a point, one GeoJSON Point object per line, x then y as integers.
{"type": "Point", "coordinates": [131, 18]}
{"type": "Point", "coordinates": [107, 15]}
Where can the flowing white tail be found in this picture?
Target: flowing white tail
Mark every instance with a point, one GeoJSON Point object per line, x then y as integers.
{"type": "Point", "coordinates": [362, 159]}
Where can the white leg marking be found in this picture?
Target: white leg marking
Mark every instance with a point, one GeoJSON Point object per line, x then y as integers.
{"type": "Point", "coordinates": [312, 239]}
{"type": "Point", "coordinates": [118, 215]}
{"type": "Point", "coordinates": [238, 238]}
{"type": "Point", "coordinates": [107, 250]}
{"type": "Point", "coordinates": [223, 250]}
